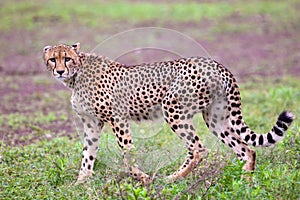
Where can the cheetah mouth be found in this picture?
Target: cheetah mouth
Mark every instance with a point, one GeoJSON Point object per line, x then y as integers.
{"type": "Point", "coordinates": [64, 78]}
{"type": "Point", "coordinates": [61, 78]}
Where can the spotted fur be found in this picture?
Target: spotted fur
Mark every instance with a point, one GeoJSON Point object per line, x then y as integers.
{"type": "Point", "coordinates": [105, 91]}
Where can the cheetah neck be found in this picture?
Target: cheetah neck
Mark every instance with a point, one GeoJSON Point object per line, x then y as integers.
{"type": "Point", "coordinates": [70, 82]}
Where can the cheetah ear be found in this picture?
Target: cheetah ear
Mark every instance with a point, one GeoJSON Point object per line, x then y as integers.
{"type": "Point", "coordinates": [76, 47]}
{"type": "Point", "coordinates": [46, 48]}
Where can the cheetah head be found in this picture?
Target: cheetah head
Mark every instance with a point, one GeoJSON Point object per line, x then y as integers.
{"type": "Point", "coordinates": [62, 60]}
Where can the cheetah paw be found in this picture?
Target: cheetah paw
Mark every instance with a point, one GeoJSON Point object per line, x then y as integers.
{"type": "Point", "coordinates": [83, 176]}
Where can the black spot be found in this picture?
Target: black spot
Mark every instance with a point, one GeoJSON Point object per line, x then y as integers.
{"type": "Point", "coordinates": [281, 124]}
{"type": "Point", "coordinates": [222, 135]}
{"type": "Point", "coordinates": [247, 138]}
{"type": "Point", "coordinates": [261, 140]}
{"type": "Point", "coordinates": [176, 117]}
{"type": "Point", "coordinates": [174, 127]}
{"type": "Point", "coordinates": [232, 143]}
{"type": "Point", "coordinates": [89, 142]}
{"type": "Point", "coordinates": [192, 128]}
{"type": "Point", "coordinates": [166, 114]}
{"type": "Point", "coordinates": [270, 138]}
{"type": "Point", "coordinates": [207, 125]}
{"type": "Point", "coordinates": [243, 149]}
{"type": "Point", "coordinates": [214, 120]}
{"type": "Point", "coordinates": [125, 141]}
{"type": "Point", "coordinates": [91, 158]}
{"type": "Point", "coordinates": [89, 167]}
{"type": "Point", "coordinates": [89, 125]}
{"type": "Point", "coordinates": [85, 148]}
{"type": "Point", "coordinates": [253, 137]}
{"type": "Point", "coordinates": [278, 131]}
{"type": "Point", "coordinates": [171, 110]}
{"type": "Point", "coordinates": [243, 130]}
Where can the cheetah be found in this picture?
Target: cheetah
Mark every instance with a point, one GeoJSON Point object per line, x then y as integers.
{"type": "Point", "coordinates": [106, 91]}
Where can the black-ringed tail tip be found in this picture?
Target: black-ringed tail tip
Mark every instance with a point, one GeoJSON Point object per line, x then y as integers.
{"type": "Point", "coordinates": [287, 117]}
{"type": "Point", "coordinates": [284, 120]}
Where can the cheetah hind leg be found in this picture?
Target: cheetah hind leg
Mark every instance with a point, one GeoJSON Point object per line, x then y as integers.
{"type": "Point", "coordinates": [133, 170]}
{"type": "Point", "coordinates": [220, 125]}
{"type": "Point", "coordinates": [196, 150]}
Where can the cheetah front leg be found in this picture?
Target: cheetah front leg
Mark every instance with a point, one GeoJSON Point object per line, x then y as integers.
{"type": "Point", "coordinates": [122, 132]}
{"type": "Point", "coordinates": [92, 128]}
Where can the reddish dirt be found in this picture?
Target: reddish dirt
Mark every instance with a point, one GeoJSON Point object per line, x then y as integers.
{"type": "Point", "coordinates": [248, 54]}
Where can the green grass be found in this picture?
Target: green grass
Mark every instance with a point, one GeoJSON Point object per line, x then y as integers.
{"type": "Point", "coordinates": [48, 169]}
{"type": "Point", "coordinates": [35, 14]}
{"type": "Point", "coordinates": [19, 120]}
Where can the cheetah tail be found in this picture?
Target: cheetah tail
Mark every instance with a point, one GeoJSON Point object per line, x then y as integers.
{"type": "Point", "coordinates": [275, 135]}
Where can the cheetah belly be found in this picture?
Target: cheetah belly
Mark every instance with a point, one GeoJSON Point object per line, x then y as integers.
{"type": "Point", "coordinates": [149, 113]}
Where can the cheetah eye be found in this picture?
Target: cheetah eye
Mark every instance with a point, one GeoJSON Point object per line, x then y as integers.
{"type": "Point", "coordinates": [52, 59]}
{"type": "Point", "coordinates": [67, 59]}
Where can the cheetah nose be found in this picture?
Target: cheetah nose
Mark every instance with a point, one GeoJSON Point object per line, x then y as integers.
{"type": "Point", "coordinates": [60, 72]}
